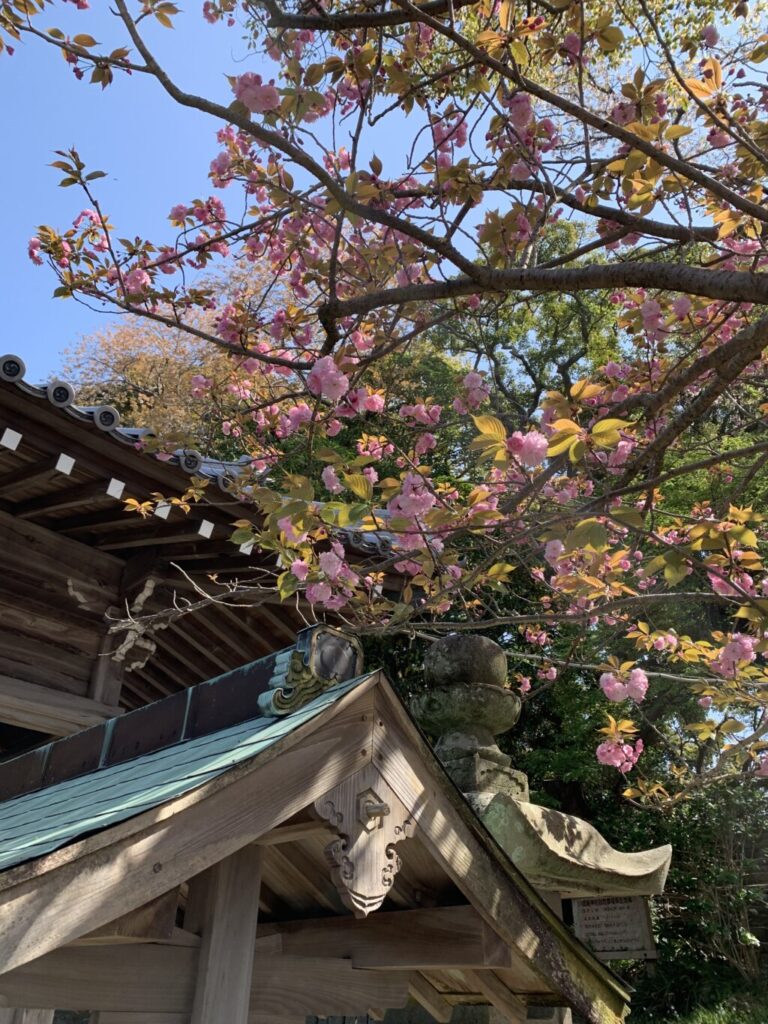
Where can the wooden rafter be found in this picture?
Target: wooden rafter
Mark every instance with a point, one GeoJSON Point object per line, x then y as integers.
{"type": "Point", "coordinates": [65, 498]}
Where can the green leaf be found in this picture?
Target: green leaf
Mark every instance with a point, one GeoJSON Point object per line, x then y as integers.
{"type": "Point", "coordinates": [590, 533]}
{"type": "Point", "coordinates": [675, 570]}
{"type": "Point", "coordinates": [242, 535]}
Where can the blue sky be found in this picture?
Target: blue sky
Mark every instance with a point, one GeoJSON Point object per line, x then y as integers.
{"type": "Point", "coordinates": [155, 155]}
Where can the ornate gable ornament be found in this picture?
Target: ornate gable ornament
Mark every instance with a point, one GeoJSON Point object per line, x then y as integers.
{"type": "Point", "coordinates": [369, 821]}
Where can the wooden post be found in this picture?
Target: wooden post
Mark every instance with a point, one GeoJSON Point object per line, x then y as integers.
{"type": "Point", "coordinates": [225, 971]}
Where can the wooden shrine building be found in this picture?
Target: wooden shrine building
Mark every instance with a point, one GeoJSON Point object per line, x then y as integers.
{"type": "Point", "coordinates": [180, 864]}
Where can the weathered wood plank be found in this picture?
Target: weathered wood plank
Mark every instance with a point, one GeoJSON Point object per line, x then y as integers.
{"type": "Point", "coordinates": [131, 977]}
{"type": "Point", "coordinates": [83, 886]}
{"type": "Point", "coordinates": [427, 996]}
{"type": "Point", "coordinates": [432, 939]}
{"type": "Point", "coordinates": [223, 982]}
{"type": "Point", "coordinates": [153, 921]}
{"type": "Point", "coordinates": [295, 833]}
{"type": "Point", "coordinates": [156, 978]}
{"type": "Point", "coordinates": [54, 712]}
{"type": "Point", "coordinates": [17, 1016]}
{"type": "Point", "coordinates": [46, 663]}
{"type": "Point", "coordinates": [302, 986]}
{"type": "Point", "coordinates": [41, 551]}
{"type": "Point", "coordinates": [513, 1009]}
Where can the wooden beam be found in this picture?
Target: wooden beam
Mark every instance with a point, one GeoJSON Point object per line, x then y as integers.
{"type": "Point", "coordinates": [56, 899]}
{"type": "Point", "coordinates": [284, 985]}
{"type": "Point", "coordinates": [425, 993]}
{"type": "Point", "coordinates": [300, 875]}
{"type": "Point", "coordinates": [223, 982]}
{"type": "Point", "coordinates": [190, 639]}
{"type": "Point", "coordinates": [498, 995]}
{"type": "Point", "coordinates": [36, 550]}
{"type": "Point", "coordinates": [180, 532]}
{"type": "Point", "coordinates": [295, 833]}
{"type": "Point", "coordinates": [439, 938]}
{"type": "Point", "coordinates": [157, 978]}
{"type": "Point", "coordinates": [139, 978]}
{"type": "Point", "coordinates": [107, 675]}
{"type": "Point", "coordinates": [151, 922]}
{"type": "Point", "coordinates": [52, 712]}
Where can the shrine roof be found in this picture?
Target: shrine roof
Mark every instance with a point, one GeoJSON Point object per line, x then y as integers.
{"type": "Point", "coordinates": [40, 822]}
{"type": "Point", "coordinates": [245, 699]}
{"type": "Point", "coordinates": [104, 420]}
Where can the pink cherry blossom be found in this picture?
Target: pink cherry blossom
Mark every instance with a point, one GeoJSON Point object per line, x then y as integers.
{"type": "Point", "coordinates": [553, 549]}
{"type": "Point", "coordinates": [299, 568]}
{"type": "Point", "coordinates": [326, 379]}
{"type": "Point", "coordinates": [200, 385]}
{"type": "Point", "coordinates": [623, 756]}
{"type": "Point", "coordinates": [681, 307]}
{"type": "Point", "coordinates": [612, 687]}
{"type": "Point", "coordinates": [425, 443]}
{"type": "Point", "coordinates": [331, 480]}
{"type": "Point", "coordinates": [292, 533]}
{"type": "Point", "coordinates": [319, 593]}
{"type": "Point", "coordinates": [255, 95]}
{"type": "Point", "coordinates": [637, 685]}
{"type": "Point", "coordinates": [737, 653]}
{"type": "Point", "coordinates": [533, 450]}
{"type": "Point", "coordinates": [33, 251]}
{"type": "Point", "coordinates": [520, 111]}
{"type": "Point", "coordinates": [136, 281]}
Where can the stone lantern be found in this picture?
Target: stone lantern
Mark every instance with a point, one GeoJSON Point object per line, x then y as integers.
{"type": "Point", "coordinates": [466, 705]}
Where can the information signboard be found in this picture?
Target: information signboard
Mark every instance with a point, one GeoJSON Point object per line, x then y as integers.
{"type": "Point", "coordinates": [615, 927]}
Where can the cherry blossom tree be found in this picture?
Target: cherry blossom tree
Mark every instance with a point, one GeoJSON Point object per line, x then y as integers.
{"type": "Point", "coordinates": [604, 155]}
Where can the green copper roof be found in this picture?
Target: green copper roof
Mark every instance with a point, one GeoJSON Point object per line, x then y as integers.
{"type": "Point", "coordinates": [38, 823]}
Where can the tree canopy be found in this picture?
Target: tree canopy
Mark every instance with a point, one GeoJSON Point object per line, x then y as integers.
{"type": "Point", "coordinates": [562, 248]}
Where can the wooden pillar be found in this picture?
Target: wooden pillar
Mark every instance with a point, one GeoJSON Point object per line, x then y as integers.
{"type": "Point", "coordinates": [225, 970]}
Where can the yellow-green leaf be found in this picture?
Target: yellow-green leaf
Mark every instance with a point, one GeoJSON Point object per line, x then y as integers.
{"type": "Point", "coordinates": [360, 485]}
{"type": "Point", "coordinates": [491, 427]}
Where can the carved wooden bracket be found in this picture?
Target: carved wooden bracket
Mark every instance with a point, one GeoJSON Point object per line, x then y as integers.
{"type": "Point", "coordinates": [369, 820]}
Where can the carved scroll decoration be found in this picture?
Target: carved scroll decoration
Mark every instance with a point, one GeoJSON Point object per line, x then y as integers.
{"type": "Point", "coordinates": [370, 821]}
